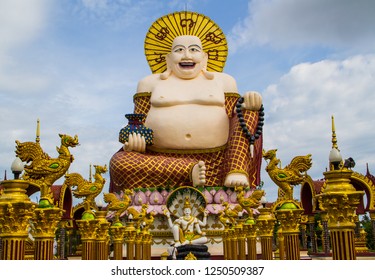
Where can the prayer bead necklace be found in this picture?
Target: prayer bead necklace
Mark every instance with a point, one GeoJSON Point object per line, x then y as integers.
{"type": "Point", "coordinates": [245, 130]}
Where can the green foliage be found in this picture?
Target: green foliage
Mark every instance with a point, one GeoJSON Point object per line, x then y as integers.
{"type": "Point", "coordinates": [367, 226]}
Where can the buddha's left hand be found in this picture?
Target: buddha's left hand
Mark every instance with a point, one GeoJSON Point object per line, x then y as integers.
{"type": "Point", "coordinates": [136, 143]}
{"type": "Point", "coordinates": [252, 101]}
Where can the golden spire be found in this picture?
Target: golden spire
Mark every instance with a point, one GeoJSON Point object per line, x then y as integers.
{"type": "Point", "coordinates": [334, 139]}
{"type": "Point", "coordinates": [335, 157]}
{"type": "Point", "coordinates": [37, 140]}
{"type": "Point", "coordinates": [90, 175]}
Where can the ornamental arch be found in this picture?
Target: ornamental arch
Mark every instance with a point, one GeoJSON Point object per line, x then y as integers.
{"type": "Point", "coordinates": [309, 190]}
{"type": "Point", "coordinates": [363, 183]}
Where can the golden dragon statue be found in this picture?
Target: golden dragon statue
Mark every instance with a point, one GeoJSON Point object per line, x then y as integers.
{"type": "Point", "coordinates": [87, 189]}
{"type": "Point", "coordinates": [142, 220]}
{"type": "Point", "coordinates": [228, 216]}
{"type": "Point", "coordinates": [137, 216]}
{"type": "Point", "coordinates": [146, 220]}
{"type": "Point", "coordinates": [251, 202]}
{"type": "Point", "coordinates": [41, 170]}
{"type": "Point", "coordinates": [117, 204]}
{"type": "Point", "coordinates": [289, 176]}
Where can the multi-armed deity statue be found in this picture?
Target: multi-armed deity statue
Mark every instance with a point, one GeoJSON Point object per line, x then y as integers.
{"type": "Point", "coordinates": [201, 134]}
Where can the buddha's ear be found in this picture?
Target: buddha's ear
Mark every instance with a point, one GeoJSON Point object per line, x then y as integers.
{"type": "Point", "coordinates": [205, 59]}
{"type": "Point", "coordinates": [168, 71]}
{"type": "Point", "coordinates": [208, 75]}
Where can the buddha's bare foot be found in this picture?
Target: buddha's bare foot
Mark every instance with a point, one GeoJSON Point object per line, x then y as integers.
{"type": "Point", "coordinates": [198, 174]}
{"type": "Point", "coordinates": [236, 180]}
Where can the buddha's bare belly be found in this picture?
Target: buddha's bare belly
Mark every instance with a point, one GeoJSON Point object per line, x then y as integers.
{"type": "Point", "coordinates": [188, 126]}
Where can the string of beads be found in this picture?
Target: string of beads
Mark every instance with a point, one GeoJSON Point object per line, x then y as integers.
{"type": "Point", "coordinates": [245, 130]}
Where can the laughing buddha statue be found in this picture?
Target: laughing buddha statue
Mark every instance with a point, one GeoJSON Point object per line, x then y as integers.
{"type": "Point", "coordinates": [203, 132]}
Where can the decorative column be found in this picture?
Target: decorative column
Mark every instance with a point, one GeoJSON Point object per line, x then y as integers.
{"type": "Point", "coordinates": [87, 228]}
{"type": "Point", "coordinates": [265, 224]}
{"type": "Point", "coordinates": [70, 239]}
{"type": "Point", "coordinates": [314, 245]}
{"type": "Point", "coordinates": [325, 233]}
{"type": "Point", "coordinates": [226, 243]}
{"type": "Point", "coordinates": [62, 237]}
{"type": "Point", "coordinates": [44, 226]}
{"type": "Point", "coordinates": [250, 231]}
{"type": "Point", "coordinates": [129, 238]}
{"type": "Point", "coordinates": [138, 245]}
{"type": "Point", "coordinates": [280, 238]}
{"type": "Point", "coordinates": [241, 241]}
{"type": "Point", "coordinates": [147, 242]}
{"type": "Point", "coordinates": [340, 200]}
{"type": "Point", "coordinates": [102, 236]}
{"type": "Point", "coordinates": [233, 244]}
{"type": "Point", "coordinates": [303, 236]}
{"type": "Point", "coordinates": [289, 216]}
{"type": "Point", "coordinates": [16, 210]}
{"type": "Point", "coordinates": [304, 220]}
{"type": "Point", "coordinates": [117, 232]}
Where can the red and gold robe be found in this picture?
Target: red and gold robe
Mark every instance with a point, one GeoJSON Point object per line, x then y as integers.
{"type": "Point", "coordinates": [163, 168]}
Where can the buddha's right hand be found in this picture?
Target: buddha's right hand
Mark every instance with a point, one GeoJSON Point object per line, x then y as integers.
{"type": "Point", "coordinates": [136, 143]}
{"type": "Point", "coordinates": [252, 101]}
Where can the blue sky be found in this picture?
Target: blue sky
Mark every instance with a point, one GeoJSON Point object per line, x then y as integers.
{"type": "Point", "coordinates": [75, 66]}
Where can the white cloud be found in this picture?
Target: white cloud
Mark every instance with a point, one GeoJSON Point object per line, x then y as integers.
{"type": "Point", "coordinates": [16, 80]}
{"type": "Point", "coordinates": [115, 13]}
{"type": "Point", "coordinates": [299, 109]}
{"type": "Point", "coordinates": [283, 23]}
{"type": "Point", "coordinates": [20, 21]}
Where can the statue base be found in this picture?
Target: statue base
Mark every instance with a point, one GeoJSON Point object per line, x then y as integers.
{"type": "Point", "coordinates": [199, 251]}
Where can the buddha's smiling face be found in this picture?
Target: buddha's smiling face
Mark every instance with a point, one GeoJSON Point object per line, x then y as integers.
{"type": "Point", "coordinates": [187, 58]}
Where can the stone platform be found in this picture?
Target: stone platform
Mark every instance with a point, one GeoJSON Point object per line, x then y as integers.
{"type": "Point", "coordinates": [199, 251]}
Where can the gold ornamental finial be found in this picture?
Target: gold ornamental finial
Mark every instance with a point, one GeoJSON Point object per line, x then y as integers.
{"type": "Point", "coordinates": [90, 174]}
{"type": "Point", "coordinates": [37, 140]}
{"type": "Point", "coordinates": [334, 139]}
{"type": "Point", "coordinates": [335, 157]}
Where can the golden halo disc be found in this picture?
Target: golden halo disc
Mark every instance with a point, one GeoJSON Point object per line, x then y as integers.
{"type": "Point", "coordinates": [162, 32]}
